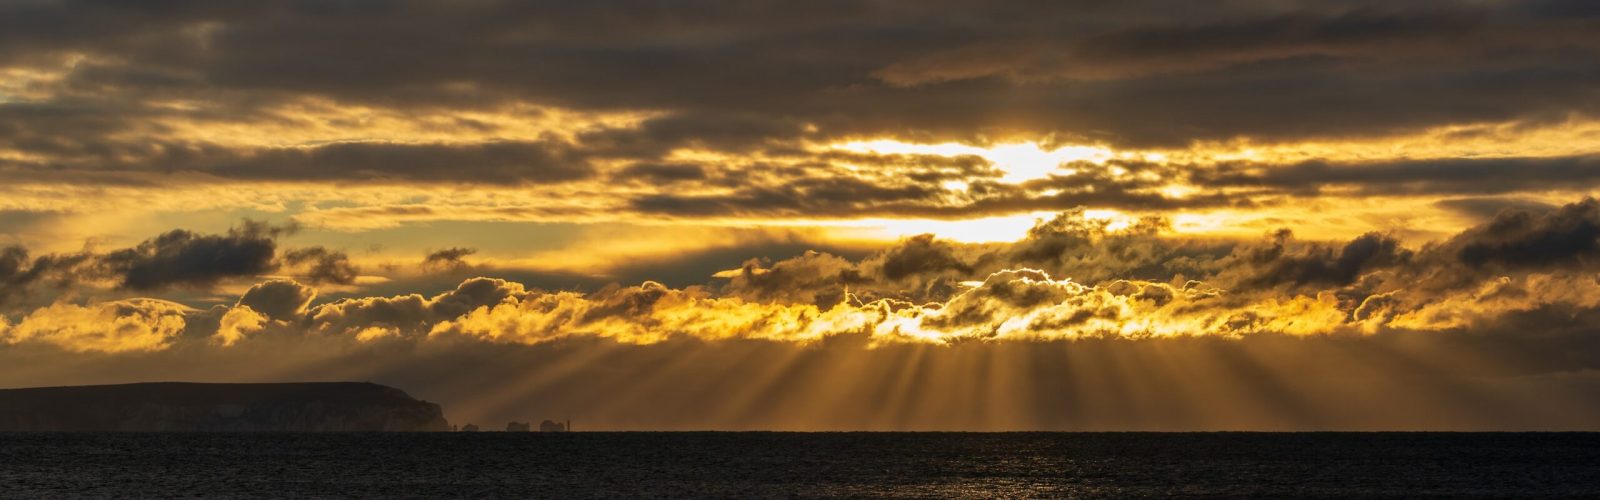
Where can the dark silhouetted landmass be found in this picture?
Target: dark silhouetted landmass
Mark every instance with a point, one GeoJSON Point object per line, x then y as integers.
{"type": "Point", "coordinates": [196, 407]}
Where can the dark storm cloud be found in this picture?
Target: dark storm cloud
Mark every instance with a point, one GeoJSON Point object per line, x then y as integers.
{"type": "Point", "coordinates": [19, 272]}
{"type": "Point", "coordinates": [1316, 264]}
{"type": "Point", "coordinates": [178, 258]}
{"type": "Point", "coordinates": [181, 257]}
{"type": "Point", "coordinates": [323, 265]}
{"type": "Point", "coordinates": [448, 259]}
{"type": "Point", "coordinates": [1569, 235]}
{"type": "Point", "coordinates": [921, 254]}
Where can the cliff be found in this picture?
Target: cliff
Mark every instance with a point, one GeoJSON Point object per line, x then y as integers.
{"type": "Point", "coordinates": [195, 407]}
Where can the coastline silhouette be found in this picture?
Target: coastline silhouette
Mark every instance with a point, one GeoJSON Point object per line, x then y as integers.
{"type": "Point", "coordinates": [210, 407]}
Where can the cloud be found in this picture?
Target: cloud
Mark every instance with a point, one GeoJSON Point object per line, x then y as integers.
{"type": "Point", "coordinates": [962, 292]}
{"type": "Point", "coordinates": [1474, 176]}
{"type": "Point", "coordinates": [1138, 283]}
{"type": "Point", "coordinates": [662, 172]}
{"type": "Point", "coordinates": [323, 265]}
{"type": "Point", "coordinates": [19, 274]}
{"type": "Point", "coordinates": [181, 257]}
{"type": "Point", "coordinates": [801, 196]}
{"type": "Point", "coordinates": [238, 323]}
{"type": "Point", "coordinates": [1276, 326]}
{"type": "Point", "coordinates": [918, 255]}
{"type": "Point", "coordinates": [814, 277]}
{"type": "Point", "coordinates": [1383, 120]}
{"type": "Point", "coordinates": [1140, 51]}
{"type": "Point", "coordinates": [1319, 264]}
{"type": "Point", "coordinates": [413, 314]}
{"type": "Point", "coordinates": [1485, 208]}
{"type": "Point", "coordinates": [452, 258]}
{"type": "Point", "coordinates": [644, 314]}
{"type": "Point", "coordinates": [490, 162]}
{"type": "Point", "coordinates": [742, 78]}
{"type": "Point", "coordinates": [1071, 277]}
{"type": "Point", "coordinates": [117, 326]}
{"type": "Point", "coordinates": [279, 300]}
{"type": "Point", "coordinates": [177, 259]}
{"type": "Point", "coordinates": [1568, 236]}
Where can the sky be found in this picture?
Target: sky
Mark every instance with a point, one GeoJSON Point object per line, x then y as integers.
{"type": "Point", "coordinates": [820, 215]}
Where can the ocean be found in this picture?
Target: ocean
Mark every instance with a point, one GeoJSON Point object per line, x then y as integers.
{"type": "Point", "coordinates": [771, 464]}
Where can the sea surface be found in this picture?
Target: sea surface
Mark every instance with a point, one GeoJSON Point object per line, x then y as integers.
{"type": "Point", "coordinates": [760, 464]}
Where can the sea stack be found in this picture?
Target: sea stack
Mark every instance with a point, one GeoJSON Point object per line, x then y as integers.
{"type": "Point", "coordinates": [200, 407]}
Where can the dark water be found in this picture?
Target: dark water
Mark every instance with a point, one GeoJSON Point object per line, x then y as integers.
{"type": "Point", "coordinates": [797, 464]}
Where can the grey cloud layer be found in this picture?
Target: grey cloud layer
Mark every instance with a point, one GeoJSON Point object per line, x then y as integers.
{"type": "Point", "coordinates": [1149, 71]}
{"type": "Point", "coordinates": [746, 77]}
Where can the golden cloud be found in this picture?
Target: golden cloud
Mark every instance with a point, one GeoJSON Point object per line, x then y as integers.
{"type": "Point", "coordinates": [117, 326]}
